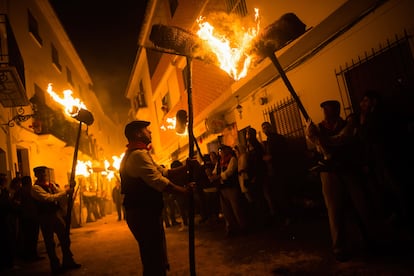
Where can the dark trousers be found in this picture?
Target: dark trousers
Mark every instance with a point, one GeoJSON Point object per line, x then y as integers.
{"type": "Point", "coordinates": [120, 210]}
{"type": "Point", "coordinates": [146, 226]}
{"type": "Point", "coordinates": [51, 224]}
{"type": "Point", "coordinates": [30, 235]}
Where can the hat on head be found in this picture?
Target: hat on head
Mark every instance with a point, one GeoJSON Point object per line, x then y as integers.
{"type": "Point", "coordinates": [225, 148]}
{"type": "Point", "coordinates": [332, 103]}
{"type": "Point", "coordinates": [252, 131]}
{"type": "Point", "coordinates": [133, 126]}
{"type": "Point", "coordinates": [39, 169]}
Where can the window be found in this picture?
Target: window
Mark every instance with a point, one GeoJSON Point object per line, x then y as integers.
{"type": "Point", "coordinates": [237, 7]}
{"type": "Point", "coordinates": [139, 100]}
{"type": "Point", "coordinates": [388, 70]}
{"type": "Point", "coordinates": [55, 58]}
{"type": "Point", "coordinates": [34, 27]}
{"type": "Point", "coordinates": [173, 7]}
{"type": "Point", "coordinates": [166, 103]}
{"type": "Point", "coordinates": [69, 76]}
{"type": "Point", "coordinates": [141, 96]}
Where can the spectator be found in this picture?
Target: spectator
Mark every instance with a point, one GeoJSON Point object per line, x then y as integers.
{"type": "Point", "coordinates": [29, 219]}
{"type": "Point", "coordinates": [263, 204]}
{"type": "Point", "coordinates": [117, 198]}
{"type": "Point", "coordinates": [342, 180]}
{"type": "Point", "coordinates": [241, 155]}
{"type": "Point", "coordinates": [182, 200]}
{"type": "Point", "coordinates": [229, 191]}
{"type": "Point", "coordinates": [276, 181]}
{"type": "Point", "coordinates": [210, 189]}
{"type": "Point", "coordinates": [6, 235]}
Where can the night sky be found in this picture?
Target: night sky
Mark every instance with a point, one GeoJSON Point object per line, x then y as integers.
{"type": "Point", "coordinates": [105, 35]}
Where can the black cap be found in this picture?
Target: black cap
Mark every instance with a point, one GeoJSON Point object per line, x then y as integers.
{"type": "Point", "coordinates": [225, 148]}
{"type": "Point", "coordinates": [133, 126]}
{"type": "Point", "coordinates": [39, 169]}
{"type": "Point", "coordinates": [332, 103]}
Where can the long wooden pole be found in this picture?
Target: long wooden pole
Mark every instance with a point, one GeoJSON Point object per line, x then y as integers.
{"type": "Point", "coordinates": [72, 181]}
{"type": "Point", "coordinates": [289, 86]}
{"type": "Point", "coordinates": [191, 250]}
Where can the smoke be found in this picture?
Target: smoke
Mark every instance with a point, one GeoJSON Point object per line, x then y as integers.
{"type": "Point", "coordinates": [110, 90]}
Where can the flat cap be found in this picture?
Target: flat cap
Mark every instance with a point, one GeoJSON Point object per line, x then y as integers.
{"type": "Point", "coordinates": [39, 169]}
{"type": "Point", "coordinates": [332, 103]}
{"type": "Point", "coordinates": [133, 126]}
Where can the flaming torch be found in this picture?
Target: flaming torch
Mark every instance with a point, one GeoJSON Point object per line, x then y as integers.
{"type": "Point", "coordinates": [248, 43]}
{"type": "Point", "coordinates": [274, 37]}
{"type": "Point", "coordinates": [76, 109]}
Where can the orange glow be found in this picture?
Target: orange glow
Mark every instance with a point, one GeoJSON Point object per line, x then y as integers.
{"type": "Point", "coordinates": [71, 105]}
{"type": "Point", "coordinates": [83, 168]}
{"type": "Point", "coordinates": [171, 123]}
{"type": "Point", "coordinates": [231, 44]}
{"type": "Point", "coordinates": [117, 161]}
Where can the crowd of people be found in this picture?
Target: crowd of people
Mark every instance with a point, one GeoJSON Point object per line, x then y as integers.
{"type": "Point", "coordinates": [361, 166]}
{"type": "Point", "coordinates": [362, 173]}
{"type": "Point", "coordinates": [246, 185]}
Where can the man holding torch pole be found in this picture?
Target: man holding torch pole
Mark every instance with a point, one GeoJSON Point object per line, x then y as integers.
{"type": "Point", "coordinates": [143, 183]}
{"type": "Point", "coordinates": [47, 196]}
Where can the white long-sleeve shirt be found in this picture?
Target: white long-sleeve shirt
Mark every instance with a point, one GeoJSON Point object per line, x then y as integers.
{"type": "Point", "coordinates": [140, 164]}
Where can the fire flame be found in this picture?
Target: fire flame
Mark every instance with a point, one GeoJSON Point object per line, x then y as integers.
{"type": "Point", "coordinates": [117, 161]}
{"type": "Point", "coordinates": [171, 124]}
{"type": "Point", "coordinates": [72, 105]}
{"type": "Point", "coordinates": [83, 168]}
{"type": "Point", "coordinates": [231, 52]}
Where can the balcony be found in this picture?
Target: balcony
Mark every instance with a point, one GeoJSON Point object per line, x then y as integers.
{"type": "Point", "coordinates": [12, 82]}
{"type": "Point", "coordinates": [47, 121]}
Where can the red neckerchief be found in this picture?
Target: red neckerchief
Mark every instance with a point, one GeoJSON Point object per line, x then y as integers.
{"type": "Point", "coordinates": [137, 145]}
{"type": "Point", "coordinates": [225, 160]}
{"type": "Point", "coordinates": [48, 185]}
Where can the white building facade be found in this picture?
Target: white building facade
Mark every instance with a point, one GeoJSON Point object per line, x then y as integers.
{"type": "Point", "coordinates": [348, 47]}
{"type": "Point", "coordinates": [36, 51]}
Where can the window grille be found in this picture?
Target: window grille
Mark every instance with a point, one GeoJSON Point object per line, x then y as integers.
{"type": "Point", "coordinates": [237, 7]}
{"type": "Point", "coordinates": [285, 117]}
{"type": "Point", "coordinates": [387, 69]}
